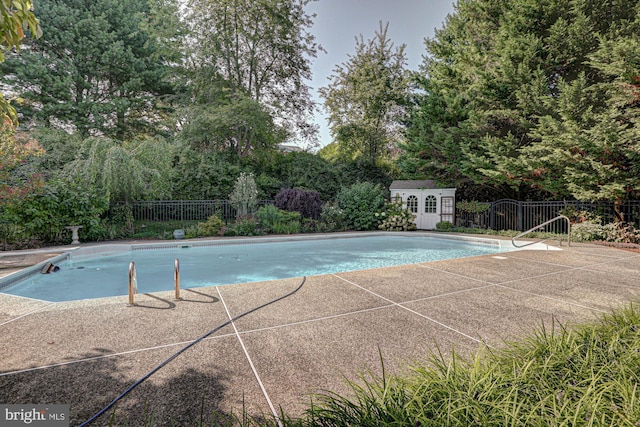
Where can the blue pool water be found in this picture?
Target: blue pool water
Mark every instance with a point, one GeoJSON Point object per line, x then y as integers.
{"type": "Point", "coordinates": [104, 276]}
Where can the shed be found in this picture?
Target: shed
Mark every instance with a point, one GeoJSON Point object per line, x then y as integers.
{"type": "Point", "coordinates": [427, 201]}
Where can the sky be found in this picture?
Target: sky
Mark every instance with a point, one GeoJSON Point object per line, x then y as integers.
{"type": "Point", "coordinates": [339, 22]}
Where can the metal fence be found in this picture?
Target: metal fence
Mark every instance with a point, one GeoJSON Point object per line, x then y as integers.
{"type": "Point", "coordinates": [185, 210]}
{"type": "Point", "coordinates": [503, 214]}
{"type": "Point", "coordinates": [510, 214]}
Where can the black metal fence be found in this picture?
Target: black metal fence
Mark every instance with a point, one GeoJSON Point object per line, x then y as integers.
{"type": "Point", "coordinates": [503, 214]}
{"type": "Point", "coordinates": [185, 210]}
{"type": "Point", "coordinates": [510, 214]}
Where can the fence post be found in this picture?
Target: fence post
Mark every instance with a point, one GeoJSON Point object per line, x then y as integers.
{"type": "Point", "coordinates": [492, 215]}
{"type": "Point", "coordinates": [520, 214]}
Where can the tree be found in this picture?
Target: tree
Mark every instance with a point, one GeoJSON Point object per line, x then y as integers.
{"type": "Point", "coordinates": [15, 16]}
{"type": "Point", "coordinates": [366, 97]}
{"type": "Point", "coordinates": [240, 126]}
{"type": "Point", "coordinates": [531, 97]}
{"type": "Point", "coordinates": [94, 70]}
{"type": "Point", "coordinates": [253, 51]}
{"type": "Point", "coordinates": [136, 169]}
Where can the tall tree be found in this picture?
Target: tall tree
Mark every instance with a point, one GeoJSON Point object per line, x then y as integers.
{"type": "Point", "coordinates": [367, 96]}
{"type": "Point", "coordinates": [94, 70]}
{"type": "Point", "coordinates": [15, 16]}
{"type": "Point", "coordinates": [532, 96]}
{"type": "Point", "coordinates": [256, 51]}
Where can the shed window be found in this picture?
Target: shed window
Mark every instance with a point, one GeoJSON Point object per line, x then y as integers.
{"type": "Point", "coordinates": [430, 204]}
{"type": "Point", "coordinates": [412, 204]}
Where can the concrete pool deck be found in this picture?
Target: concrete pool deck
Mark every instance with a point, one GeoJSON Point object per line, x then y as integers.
{"type": "Point", "coordinates": [85, 353]}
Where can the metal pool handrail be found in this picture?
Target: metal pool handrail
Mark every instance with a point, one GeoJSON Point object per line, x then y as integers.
{"type": "Point", "coordinates": [524, 233]}
{"type": "Point", "coordinates": [133, 282]}
{"type": "Point", "coordinates": [176, 278]}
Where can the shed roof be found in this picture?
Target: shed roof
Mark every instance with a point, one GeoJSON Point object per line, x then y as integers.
{"type": "Point", "coordinates": [412, 184]}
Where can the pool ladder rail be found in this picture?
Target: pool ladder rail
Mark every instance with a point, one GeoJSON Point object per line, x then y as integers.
{"type": "Point", "coordinates": [524, 233]}
{"type": "Point", "coordinates": [133, 281]}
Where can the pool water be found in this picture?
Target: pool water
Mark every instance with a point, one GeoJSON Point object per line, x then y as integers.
{"type": "Point", "coordinates": [105, 276]}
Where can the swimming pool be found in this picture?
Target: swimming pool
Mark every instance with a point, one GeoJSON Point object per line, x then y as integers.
{"type": "Point", "coordinates": [85, 275]}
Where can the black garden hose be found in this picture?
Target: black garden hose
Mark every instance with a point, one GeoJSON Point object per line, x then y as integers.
{"type": "Point", "coordinates": [183, 349]}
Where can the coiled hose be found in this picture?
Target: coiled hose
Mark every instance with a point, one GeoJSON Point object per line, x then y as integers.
{"type": "Point", "coordinates": [183, 349]}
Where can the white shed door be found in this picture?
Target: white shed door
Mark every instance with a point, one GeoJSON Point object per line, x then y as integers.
{"type": "Point", "coordinates": [428, 215]}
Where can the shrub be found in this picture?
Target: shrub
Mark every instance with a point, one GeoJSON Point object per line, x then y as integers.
{"type": "Point", "coordinates": [120, 218]}
{"type": "Point", "coordinates": [587, 231]}
{"type": "Point", "coordinates": [274, 220]}
{"type": "Point", "coordinates": [332, 218]}
{"type": "Point", "coordinates": [211, 227]}
{"type": "Point", "coordinates": [245, 195]}
{"type": "Point", "coordinates": [621, 232]}
{"type": "Point", "coordinates": [396, 218]}
{"type": "Point", "coordinates": [245, 225]}
{"type": "Point", "coordinates": [472, 206]}
{"type": "Point", "coordinates": [444, 226]}
{"type": "Point", "coordinates": [360, 203]}
{"type": "Point", "coordinates": [43, 215]}
{"type": "Point", "coordinates": [307, 203]}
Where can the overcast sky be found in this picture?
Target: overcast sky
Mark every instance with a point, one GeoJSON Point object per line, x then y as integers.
{"type": "Point", "coordinates": [338, 22]}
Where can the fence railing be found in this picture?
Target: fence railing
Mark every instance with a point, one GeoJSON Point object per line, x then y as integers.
{"type": "Point", "coordinates": [509, 214]}
{"type": "Point", "coordinates": [185, 210]}
{"type": "Point", "coordinates": [503, 214]}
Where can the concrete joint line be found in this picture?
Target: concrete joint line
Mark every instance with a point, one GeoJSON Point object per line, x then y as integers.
{"type": "Point", "coordinates": [253, 368]}
{"type": "Point", "coordinates": [456, 274]}
{"type": "Point", "coordinates": [318, 319]}
{"type": "Point", "coordinates": [415, 312]}
{"type": "Point", "coordinates": [552, 299]}
{"type": "Point", "coordinates": [27, 314]}
{"type": "Point", "coordinates": [106, 356]}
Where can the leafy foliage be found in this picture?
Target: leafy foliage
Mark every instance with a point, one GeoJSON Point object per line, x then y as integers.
{"type": "Point", "coordinates": [306, 203]}
{"type": "Point", "coordinates": [44, 214]}
{"type": "Point", "coordinates": [244, 197]}
{"type": "Point", "coordinates": [586, 375]}
{"type": "Point", "coordinates": [132, 170]}
{"type": "Point", "coordinates": [279, 221]}
{"type": "Point", "coordinates": [366, 98]}
{"type": "Point", "coordinates": [396, 218]}
{"type": "Point", "coordinates": [332, 218]}
{"type": "Point", "coordinates": [359, 204]}
{"type": "Point", "coordinates": [255, 51]}
{"type": "Point", "coordinates": [531, 98]}
{"type": "Point", "coordinates": [211, 227]}
{"type": "Point", "coordinates": [94, 69]}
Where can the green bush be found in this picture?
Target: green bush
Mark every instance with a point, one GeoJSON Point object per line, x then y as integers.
{"type": "Point", "coordinates": [444, 226]}
{"type": "Point", "coordinates": [245, 225]}
{"type": "Point", "coordinates": [274, 220]}
{"type": "Point", "coordinates": [360, 203]}
{"type": "Point", "coordinates": [211, 227]}
{"type": "Point", "coordinates": [472, 206]}
{"type": "Point", "coordinates": [332, 218]}
{"type": "Point", "coordinates": [587, 231]}
{"type": "Point", "coordinates": [44, 214]}
{"type": "Point", "coordinates": [621, 232]}
{"type": "Point", "coordinates": [396, 218]}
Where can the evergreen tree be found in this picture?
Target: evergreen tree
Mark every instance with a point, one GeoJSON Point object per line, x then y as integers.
{"type": "Point", "coordinates": [94, 70]}
{"type": "Point", "coordinates": [517, 92]}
